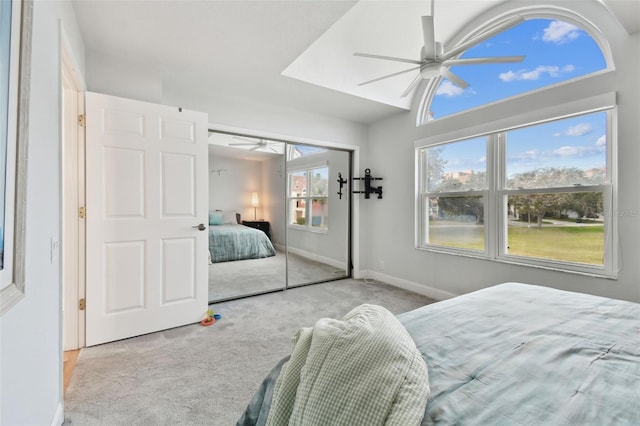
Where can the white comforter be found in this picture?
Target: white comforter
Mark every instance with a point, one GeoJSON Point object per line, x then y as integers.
{"type": "Point", "coordinates": [361, 370]}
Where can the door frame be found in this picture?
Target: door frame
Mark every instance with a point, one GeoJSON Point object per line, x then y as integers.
{"type": "Point", "coordinates": [72, 234]}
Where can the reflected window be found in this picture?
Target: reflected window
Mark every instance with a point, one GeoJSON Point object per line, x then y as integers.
{"type": "Point", "coordinates": [298, 151]}
{"type": "Point", "coordinates": [308, 198]}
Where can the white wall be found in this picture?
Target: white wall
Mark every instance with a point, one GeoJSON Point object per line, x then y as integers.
{"type": "Point", "coordinates": [332, 244]}
{"type": "Point", "coordinates": [232, 188]}
{"type": "Point", "coordinates": [393, 217]}
{"type": "Point", "coordinates": [30, 333]}
{"type": "Point", "coordinates": [138, 80]}
{"type": "Point", "coordinates": [273, 197]}
{"type": "Point", "coordinates": [112, 75]}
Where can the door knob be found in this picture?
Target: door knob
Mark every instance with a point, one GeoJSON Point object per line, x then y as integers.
{"type": "Point", "coordinates": [200, 227]}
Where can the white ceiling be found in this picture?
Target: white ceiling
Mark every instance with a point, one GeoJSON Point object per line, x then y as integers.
{"type": "Point", "coordinates": [241, 48]}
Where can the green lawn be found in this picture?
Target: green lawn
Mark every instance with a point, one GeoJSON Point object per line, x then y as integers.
{"type": "Point", "coordinates": [582, 244]}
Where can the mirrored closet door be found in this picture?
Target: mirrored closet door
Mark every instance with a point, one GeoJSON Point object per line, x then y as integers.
{"type": "Point", "coordinates": [246, 183]}
{"type": "Point", "coordinates": [276, 219]}
{"type": "Point", "coordinates": [317, 214]}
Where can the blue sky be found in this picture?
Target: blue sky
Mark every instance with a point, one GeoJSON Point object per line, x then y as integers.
{"type": "Point", "coordinates": [574, 142]}
{"type": "Point", "coordinates": [555, 51]}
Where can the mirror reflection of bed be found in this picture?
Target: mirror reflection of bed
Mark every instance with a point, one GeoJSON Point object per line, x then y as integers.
{"type": "Point", "coordinates": [273, 222]}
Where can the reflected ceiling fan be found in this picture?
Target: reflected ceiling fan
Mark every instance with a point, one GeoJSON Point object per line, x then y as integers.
{"type": "Point", "coordinates": [434, 62]}
{"type": "Point", "coordinates": [256, 144]}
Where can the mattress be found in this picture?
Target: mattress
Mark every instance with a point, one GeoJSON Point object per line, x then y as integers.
{"type": "Point", "coordinates": [237, 242]}
{"type": "Point", "coordinates": [521, 354]}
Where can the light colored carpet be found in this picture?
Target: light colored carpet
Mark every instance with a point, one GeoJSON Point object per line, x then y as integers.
{"type": "Point", "coordinates": [196, 375]}
{"type": "Point", "coordinates": [242, 277]}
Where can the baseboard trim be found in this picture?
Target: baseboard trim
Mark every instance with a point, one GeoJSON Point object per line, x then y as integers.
{"type": "Point", "coordinates": [422, 289]}
{"type": "Point", "coordinates": [312, 256]}
{"type": "Point", "coordinates": [58, 418]}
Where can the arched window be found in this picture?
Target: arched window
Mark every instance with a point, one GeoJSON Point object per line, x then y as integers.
{"type": "Point", "coordinates": [522, 166]}
{"type": "Point", "coordinates": [555, 50]}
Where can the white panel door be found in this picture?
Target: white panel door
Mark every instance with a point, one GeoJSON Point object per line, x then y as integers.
{"type": "Point", "coordinates": [146, 194]}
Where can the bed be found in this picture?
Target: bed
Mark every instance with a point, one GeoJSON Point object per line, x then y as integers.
{"type": "Point", "coordinates": [519, 354]}
{"type": "Point", "coordinates": [229, 240]}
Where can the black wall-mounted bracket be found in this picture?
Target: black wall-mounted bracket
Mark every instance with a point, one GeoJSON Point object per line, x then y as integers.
{"type": "Point", "coordinates": [368, 189]}
{"type": "Point", "coordinates": [341, 182]}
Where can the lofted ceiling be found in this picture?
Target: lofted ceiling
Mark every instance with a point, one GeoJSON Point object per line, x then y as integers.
{"type": "Point", "coordinates": [294, 54]}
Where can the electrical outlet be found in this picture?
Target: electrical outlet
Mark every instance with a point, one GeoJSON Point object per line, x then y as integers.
{"type": "Point", "coordinates": [55, 250]}
{"type": "Point", "coordinates": [381, 265]}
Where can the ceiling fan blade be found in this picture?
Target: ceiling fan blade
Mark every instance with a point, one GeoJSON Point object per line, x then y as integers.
{"type": "Point", "coordinates": [387, 58]}
{"type": "Point", "coordinates": [490, 60]}
{"type": "Point", "coordinates": [255, 148]}
{"type": "Point", "coordinates": [412, 86]}
{"type": "Point", "coordinates": [429, 37]}
{"type": "Point", "coordinates": [453, 78]}
{"type": "Point", "coordinates": [389, 75]}
{"type": "Point", "coordinates": [482, 37]}
{"type": "Point", "coordinates": [244, 144]}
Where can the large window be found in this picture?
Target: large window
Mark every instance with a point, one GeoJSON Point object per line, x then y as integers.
{"type": "Point", "coordinates": [538, 194]}
{"type": "Point", "coordinates": [308, 199]}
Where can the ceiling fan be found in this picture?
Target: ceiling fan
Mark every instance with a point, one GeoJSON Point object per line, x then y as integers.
{"type": "Point", "coordinates": [434, 62]}
{"type": "Point", "coordinates": [256, 144]}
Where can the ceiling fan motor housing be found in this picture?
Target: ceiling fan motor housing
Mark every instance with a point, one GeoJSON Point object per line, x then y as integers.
{"type": "Point", "coordinates": [430, 70]}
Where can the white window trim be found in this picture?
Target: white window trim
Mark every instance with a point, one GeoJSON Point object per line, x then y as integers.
{"type": "Point", "coordinates": [495, 245]}
{"type": "Point", "coordinates": [20, 34]}
{"type": "Point", "coordinates": [6, 274]}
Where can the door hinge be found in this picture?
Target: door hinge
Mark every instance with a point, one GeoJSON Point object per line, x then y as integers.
{"type": "Point", "coordinates": [82, 212]}
{"type": "Point", "coordinates": [82, 305]}
{"type": "Point", "coordinates": [82, 120]}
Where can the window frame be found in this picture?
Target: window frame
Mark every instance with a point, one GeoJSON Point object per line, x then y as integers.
{"type": "Point", "coordinates": [13, 287]}
{"type": "Point", "coordinates": [495, 221]}
{"type": "Point", "coordinates": [425, 194]}
{"type": "Point", "coordinates": [308, 198]}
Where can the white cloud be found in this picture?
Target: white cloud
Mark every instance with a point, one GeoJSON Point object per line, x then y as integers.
{"type": "Point", "coordinates": [449, 89]}
{"type": "Point", "coordinates": [508, 76]}
{"type": "Point", "coordinates": [577, 151]}
{"type": "Point", "coordinates": [559, 32]}
{"type": "Point", "coordinates": [530, 155]}
{"type": "Point", "coordinates": [579, 129]}
{"type": "Point", "coordinates": [602, 140]}
{"type": "Point", "coordinates": [566, 151]}
{"type": "Point", "coordinates": [535, 74]}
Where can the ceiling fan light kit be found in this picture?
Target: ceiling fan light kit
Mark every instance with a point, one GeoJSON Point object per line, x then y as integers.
{"type": "Point", "coordinates": [434, 62]}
